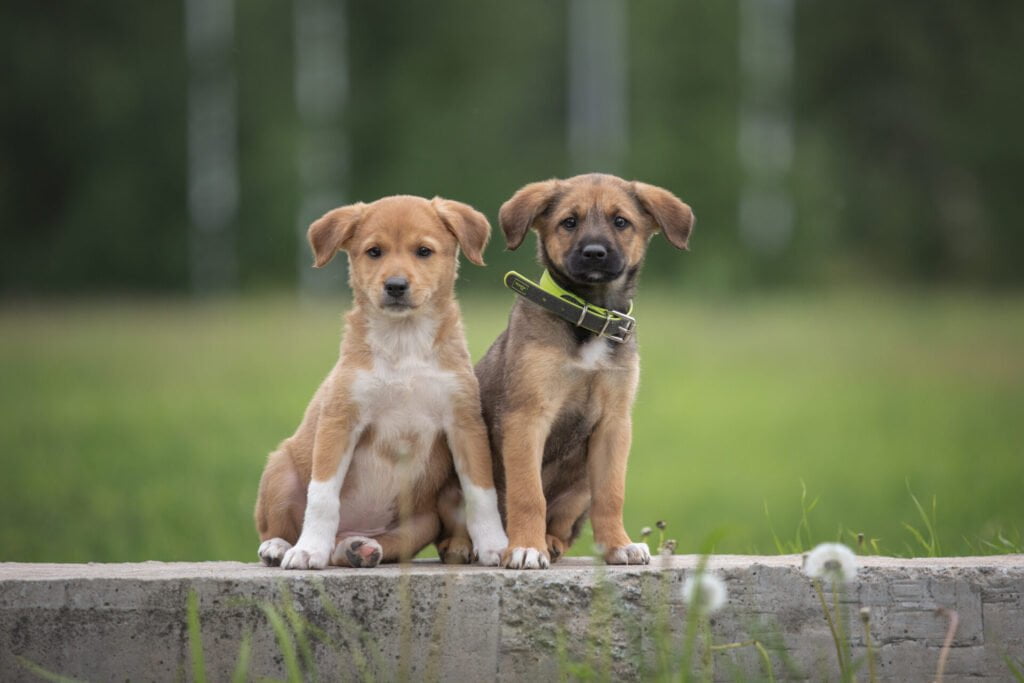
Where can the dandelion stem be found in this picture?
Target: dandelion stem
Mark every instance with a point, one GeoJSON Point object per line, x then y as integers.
{"type": "Point", "coordinates": [872, 674]}
{"type": "Point", "coordinates": [709, 662]}
{"type": "Point", "coordinates": [661, 629]}
{"type": "Point", "coordinates": [954, 620]}
{"type": "Point", "coordinates": [692, 615]}
{"type": "Point", "coordinates": [748, 643]}
{"type": "Point", "coordinates": [831, 625]}
{"type": "Point", "coordinates": [733, 646]}
{"type": "Point", "coordinates": [767, 660]}
{"type": "Point", "coordinates": [845, 669]}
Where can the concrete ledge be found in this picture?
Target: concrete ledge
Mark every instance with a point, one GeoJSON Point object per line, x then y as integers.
{"type": "Point", "coordinates": [432, 622]}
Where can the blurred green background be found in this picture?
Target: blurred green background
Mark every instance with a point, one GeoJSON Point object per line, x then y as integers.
{"type": "Point", "coordinates": [850, 315]}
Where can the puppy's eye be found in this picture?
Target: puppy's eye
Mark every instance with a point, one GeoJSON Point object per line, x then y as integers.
{"type": "Point", "coordinates": [374, 252]}
{"type": "Point", "coordinates": [569, 223]}
{"type": "Point", "coordinates": [424, 252]}
{"type": "Point", "coordinates": [620, 223]}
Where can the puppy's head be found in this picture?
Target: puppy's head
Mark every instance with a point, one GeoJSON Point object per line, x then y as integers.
{"type": "Point", "coordinates": [402, 251]}
{"type": "Point", "coordinates": [595, 228]}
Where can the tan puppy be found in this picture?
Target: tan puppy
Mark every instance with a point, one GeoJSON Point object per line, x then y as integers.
{"type": "Point", "coordinates": [367, 476]}
{"type": "Point", "coordinates": [557, 397]}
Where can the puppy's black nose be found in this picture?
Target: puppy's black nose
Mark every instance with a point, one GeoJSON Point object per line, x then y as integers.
{"type": "Point", "coordinates": [396, 286]}
{"type": "Point", "coordinates": [594, 252]}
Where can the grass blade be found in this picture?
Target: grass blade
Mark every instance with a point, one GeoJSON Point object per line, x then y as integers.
{"type": "Point", "coordinates": [195, 638]}
{"type": "Point", "coordinates": [1015, 669]}
{"type": "Point", "coordinates": [299, 627]}
{"type": "Point", "coordinates": [779, 548]}
{"type": "Point", "coordinates": [931, 546]}
{"type": "Point", "coordinates": [45, 674]}
{"type": "Point", "coordinates": [284, 642]}
{"type": "Point", "coordinates": [241, 673]}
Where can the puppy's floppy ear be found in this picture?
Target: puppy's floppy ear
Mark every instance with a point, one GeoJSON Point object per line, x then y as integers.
{"type": "Point", "coordinates": [518, 213]}
{"type": "Point", "coordinates": [673, 216]}
{"type": "Point", "coordinates": [470, 227]}
{"type": "Point", "coordinates": [330, 232]}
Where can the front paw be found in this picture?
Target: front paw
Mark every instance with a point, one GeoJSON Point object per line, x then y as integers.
{"type": "Point", "coordinates": [455, 550]}
{"type": "Point", "coordinates": [489, 557]}
{"type": "Point", "coordinates": [272, 551]}
{"type": "Point", "coordinates": [525, 558]}
{"type": "Point", "coordinates": [556, 547]}
{"type": "Point", "coordinates": [490, 549]}
{"type": "Point", "coordinates": [634, 553]}
{"type": "Point", "coordinates": [306, 556]}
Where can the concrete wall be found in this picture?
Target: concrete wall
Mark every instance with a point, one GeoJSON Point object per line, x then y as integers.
{"type": "Point", "coordinates": [432, 622]}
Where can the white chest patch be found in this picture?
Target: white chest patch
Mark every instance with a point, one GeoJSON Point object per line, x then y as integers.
{"type": "Point", "coordinates": [406, 399]}
{"type": "Point", "coordinates": [593, 353]}
{"type": "Point", "coordinates": [406, 396]}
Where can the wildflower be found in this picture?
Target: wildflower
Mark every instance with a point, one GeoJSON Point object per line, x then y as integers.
{"type": "Point", "coordinates": [668, 547]}
{"type": "Point", "coordinates": [865, 614]}
{"type": "Point", "coordinates": [661, 524]}
{"type": "Point", "coordinates": [831, 560]}
{"type": "Point", "coordinates": [706, 593]}
{"type": "Point", "coordinates": [645, 532]}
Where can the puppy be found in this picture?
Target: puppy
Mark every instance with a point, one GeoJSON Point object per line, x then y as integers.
{"type": "Point", "coordinates": [557, 385]}
{"type": "Point", "coordinates": [367, 476]}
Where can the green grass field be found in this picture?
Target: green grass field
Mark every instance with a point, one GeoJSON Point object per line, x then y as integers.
{"type": "Point", "coordinates": [137, 429]}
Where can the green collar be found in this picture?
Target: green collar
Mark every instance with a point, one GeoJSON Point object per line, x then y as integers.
{"type": "Point", "coordinates": [548, 294]}
{"type": "Point", "coordinates": [548, 284]}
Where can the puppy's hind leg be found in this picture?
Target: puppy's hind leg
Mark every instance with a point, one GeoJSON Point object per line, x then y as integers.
{"type": "Point", "coordinates": [398, 545]}
{"type": "Point", "coordinates": [565, 517]}
{"type": "Point", "coordinates": [453, 545]}
{"type": "Point", "coordinates": [279, 507]}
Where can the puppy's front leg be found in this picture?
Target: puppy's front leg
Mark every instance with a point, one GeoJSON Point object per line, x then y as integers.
{"type": "Point", "coordinates": [471, 452]}
{"type": "Point", "coordinates": [522, 451]}
{"type": "Point", "coordinates": [332, 452]}
{"type": "Point", "coordinates": [606, 464]}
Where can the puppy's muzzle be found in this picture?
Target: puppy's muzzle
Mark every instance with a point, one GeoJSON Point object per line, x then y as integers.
{"type": "Point", "coordinates": [396, 293]}
{"type": "Point", "coordinates": [595, 262]}
{"type": "Point", "coordinates": [594, 253]}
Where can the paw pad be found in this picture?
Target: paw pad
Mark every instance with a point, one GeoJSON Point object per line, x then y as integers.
{"type": "Point", "coordinates": [361, 552]}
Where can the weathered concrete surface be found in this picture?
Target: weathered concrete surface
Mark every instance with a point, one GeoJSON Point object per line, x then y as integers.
{"type": "Point", "coordinates": [433, 622]}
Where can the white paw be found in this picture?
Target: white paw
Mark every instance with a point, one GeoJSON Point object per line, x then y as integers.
{"type": "Point", "coordinates": [358, 551]}
{"type": "Point", "coordinates": [634, 553]}
{"type": "Point", "coordinates": [490, 548]}
{"type": "Point", "coordinates": [305, 556]}
{"type": "Point", "coordinates": [272, 550]}
{"type": "Point", "coordinates": [489, 557]}
{"type": "Point", "coordinates": [526, 558]}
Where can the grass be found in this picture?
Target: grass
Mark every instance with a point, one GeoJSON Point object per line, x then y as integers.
{"type": "Point", "coordinates": [137, 429]}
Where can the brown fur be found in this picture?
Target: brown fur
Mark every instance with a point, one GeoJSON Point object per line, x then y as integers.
{"type": "Point", "coordinates": [560, 429]}
{"type": "Point", "coordinates": [336, 418]}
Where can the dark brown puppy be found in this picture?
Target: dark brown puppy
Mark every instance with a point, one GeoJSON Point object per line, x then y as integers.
{"type": "Point", "coordinates": [557, 398]}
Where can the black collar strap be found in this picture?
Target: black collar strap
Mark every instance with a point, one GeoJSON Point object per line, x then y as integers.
{"type": "Point", "coordinates": [612, 325]}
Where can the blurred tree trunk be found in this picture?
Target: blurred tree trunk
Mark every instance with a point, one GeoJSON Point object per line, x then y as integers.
{"type": "Point", "coordinates": [321, 91]}
{"type": "Point", "coordinates": [598, 133]}
{"type": "Point", "coordinates": [765, 136]}
{"type": "Point", "coordinates": [212, 145]}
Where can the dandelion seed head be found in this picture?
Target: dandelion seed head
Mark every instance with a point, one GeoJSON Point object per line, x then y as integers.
{"type": "Point", "coordinates": [645, 532]}
{"type": "Point", "coordinates": [705, 593]}
{"type": "Point", "coordinates": [832, 561]}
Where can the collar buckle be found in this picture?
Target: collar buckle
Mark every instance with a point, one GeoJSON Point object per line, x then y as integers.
{"type": "Point", "coordinates": [583, 315]}
{"type": "Point", "coordinates": [626, 327]}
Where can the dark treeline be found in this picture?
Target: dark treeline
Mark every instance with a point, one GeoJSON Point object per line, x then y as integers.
{"type": "Point", "coordinates": [906, 150]}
